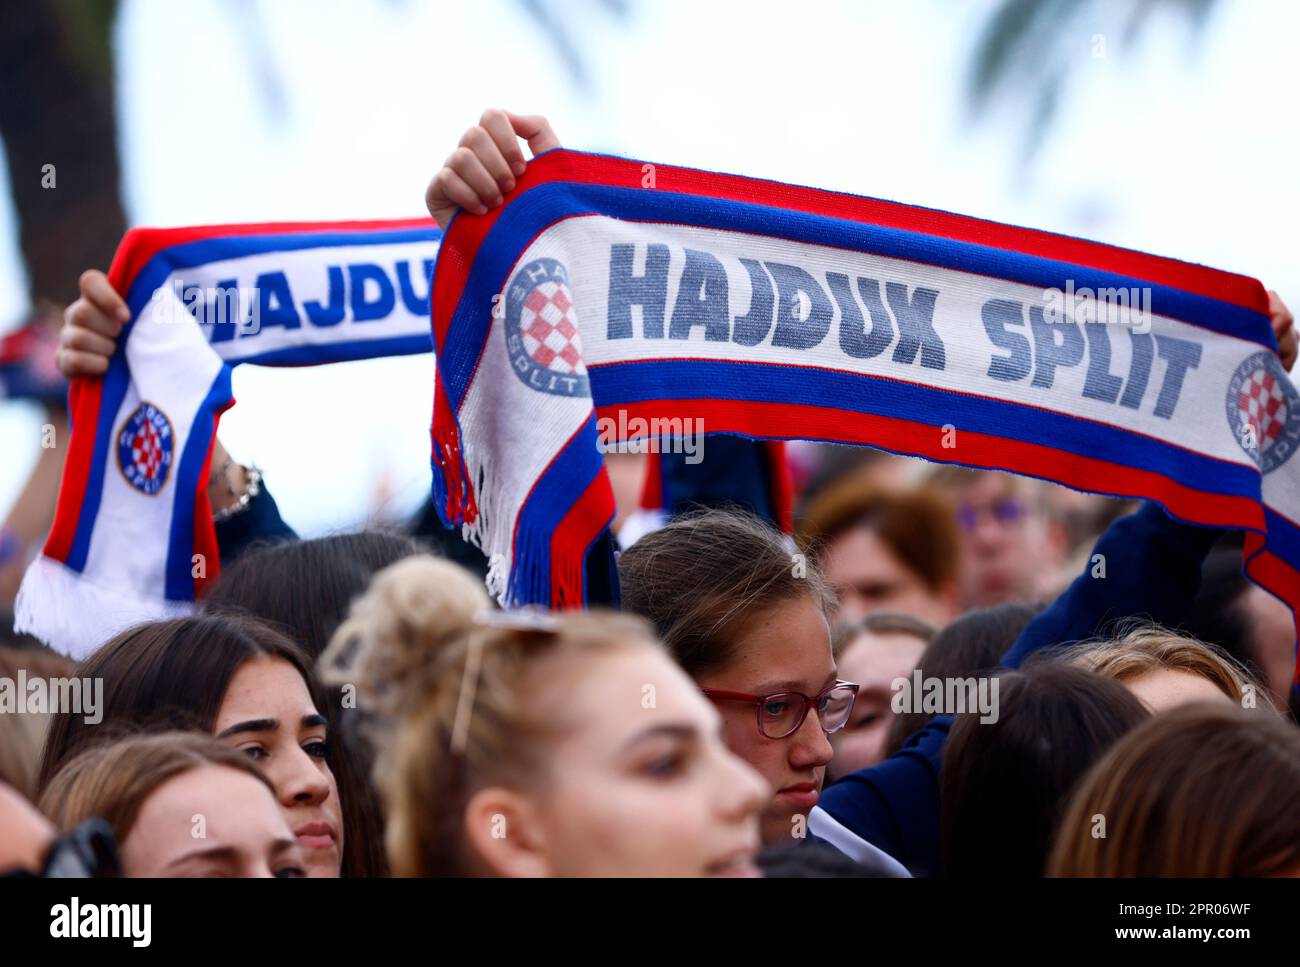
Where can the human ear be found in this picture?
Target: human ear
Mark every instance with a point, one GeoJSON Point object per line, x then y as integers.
{"type": "Point", "coordinates": [505, 833]}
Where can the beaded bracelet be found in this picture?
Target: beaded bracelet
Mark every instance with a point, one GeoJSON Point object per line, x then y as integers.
{"type": "Point", "coordinates": [251, 490]}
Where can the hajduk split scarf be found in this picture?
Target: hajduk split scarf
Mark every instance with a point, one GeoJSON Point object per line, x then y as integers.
{"type": "Point", "coordinates": [133, 537]}
{"type": "Point", "coordinates": [606, 291]}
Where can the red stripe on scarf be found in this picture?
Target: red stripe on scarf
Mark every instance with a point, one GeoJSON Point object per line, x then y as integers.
{"type": "Point", "coordinates": [793, 421]}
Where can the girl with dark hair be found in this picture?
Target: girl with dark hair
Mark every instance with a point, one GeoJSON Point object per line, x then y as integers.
{"type": "Point", "coordinates": [248, 685]}
{"type": "Point", "coordinates": [1005, 783]}
{"type": "Point", "coordinates": [304, 588]}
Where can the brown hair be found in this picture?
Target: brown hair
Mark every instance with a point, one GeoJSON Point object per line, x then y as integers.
{"type": "Point", "coordinates": [1152, 648]}
{"type": "Point", "coordinates": [1199, 790]}
{"type": "Point", "coordinates": [917, 526]}
{"type": "Point", "coordinates": [1005, 783]}
{"type": "Point", "coordinates": [167, 675]}
{"type": "Point", "coordinates": [973, 643]}
{"type": "Point", "coordinates": [703, 579]}
{"type": "Point", "coordinates": [456, 697]}
{"type": "Point", "coordinates": [304, 588]}
{"type": "Point", "coordinates": [112, 780]}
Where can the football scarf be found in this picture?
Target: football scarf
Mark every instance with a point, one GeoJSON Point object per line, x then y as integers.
{"type": "Point", "coordinates": [608, 292]}
{"type": "Point", "coordinates": [133, 537]}
{"type": "Point", "coordinates": [27, 364]}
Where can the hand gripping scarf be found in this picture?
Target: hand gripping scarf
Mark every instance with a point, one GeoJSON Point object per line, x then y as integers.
{"type": "Point", "coordinates": [133, 536]}
{"type": "Point", "coordinates": [611, 293]}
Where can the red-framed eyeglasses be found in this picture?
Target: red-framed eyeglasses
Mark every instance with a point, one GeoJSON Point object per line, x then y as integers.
{"type": "Point", "coordinates": [781, 713]}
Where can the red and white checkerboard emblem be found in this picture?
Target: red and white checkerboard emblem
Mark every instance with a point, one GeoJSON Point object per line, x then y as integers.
{"type": "Point", "coordinates": [146, 451]}
{"type": "Point", "coordinates": [1262, 404]}
{"type": "Point", "coordinates": [1264, 410]}
{"type": "Point", "coordinates": [550, 329]}
{"type": "Point", "coordinates": [144, 448]}
{"type": "Point", "coordinates": [541, 330]}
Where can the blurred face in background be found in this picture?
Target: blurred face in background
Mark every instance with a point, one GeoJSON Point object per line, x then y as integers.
{"type": "Point", "coordinates": [268, 714]}
{"type": "Point", "coordinates": [638, 783]}
{"type": "Point", "coordinates": [873, 660]}
{"type": "Point", "coordinates": [1010, 550]}
{"type": "Point", "coordinates": [242, 833]}
{"type": "Point", "coordinates": [786, 649]}
{"type": "Point", "coordinates": [867, 577]}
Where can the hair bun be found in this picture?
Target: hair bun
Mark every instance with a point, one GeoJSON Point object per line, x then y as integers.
{"type": "Point", "coordinates": [397, 633]}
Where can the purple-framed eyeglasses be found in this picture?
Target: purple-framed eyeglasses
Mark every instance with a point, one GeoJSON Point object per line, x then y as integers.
{"type": "Point", "coordinates": [781, 713]}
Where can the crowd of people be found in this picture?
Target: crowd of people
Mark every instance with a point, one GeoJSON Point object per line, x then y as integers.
{"type": "Point", "coordinates": [747, 701]}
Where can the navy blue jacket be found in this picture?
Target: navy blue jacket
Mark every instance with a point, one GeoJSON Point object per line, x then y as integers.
{"type": "Point", "coordinates": [259, 523]}
{"type": "Point", "coordinates": [1152, 570]}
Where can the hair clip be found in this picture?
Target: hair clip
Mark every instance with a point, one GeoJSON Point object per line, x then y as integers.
{"type": "Point", "coordinates": [465, 700]}
{"type": "Point", "coordinates": [522, 619]}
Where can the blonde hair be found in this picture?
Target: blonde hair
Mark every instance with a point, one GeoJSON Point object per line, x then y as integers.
{"type": "Point", "coordinates": [112, 780]}
{"type": "Point", "coordinates": [1199, 790]}
{"type": "Point", "coordinates": [1152, 648]}
{"type": "Point", "coordinates": [455, 699]}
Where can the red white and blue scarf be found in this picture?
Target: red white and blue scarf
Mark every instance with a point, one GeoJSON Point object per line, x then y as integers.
{"type": "Point", "coordinates": [133, 537]}
{"type": "Point", "coordinates": [612, 290]}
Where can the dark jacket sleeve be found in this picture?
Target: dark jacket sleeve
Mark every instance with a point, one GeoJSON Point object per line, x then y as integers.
{"type": "Point", "coordinates": [894, 805]}
{"type": "Point", "coordinates": [1146, 565]}
{"type": "Point", "coordinates": [259, 523]}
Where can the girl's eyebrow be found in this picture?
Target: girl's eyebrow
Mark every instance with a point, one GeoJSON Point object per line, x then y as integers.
{"type": "Point", "coordinates": [791, 686]}
{"type": "Point", "coordinates": [315, 720]}
{"type": "Point", "coordinates": [668, 729]}
{"type": "Point", "coordinates": [252, 725]}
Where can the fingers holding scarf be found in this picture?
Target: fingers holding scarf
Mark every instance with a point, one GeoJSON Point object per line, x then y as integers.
{"type": "Point", "coordinates": [483, 168]}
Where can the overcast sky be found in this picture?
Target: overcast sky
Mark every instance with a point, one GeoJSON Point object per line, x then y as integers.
{"type": "Point", "coordinates": [1180, 147]}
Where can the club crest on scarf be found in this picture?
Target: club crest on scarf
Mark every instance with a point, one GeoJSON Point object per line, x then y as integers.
{"type": "Point", "coordinates": [542, 330]}
{"type": "Point", "coordinates": [1264, 411]}
{"type": "Point", "coordinates": [144, 449]}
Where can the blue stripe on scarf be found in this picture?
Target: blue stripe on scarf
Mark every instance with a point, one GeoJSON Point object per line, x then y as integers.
{"type": "Point", "coordinates": [568, 476]}
{"type": "Point", "coordinates": [1283, 537]}
{"type": "Point", "coordinates": [340, 352]}
{"type": "Point", "coordinates": [632, 382]}
{"type": "Point", "coordinates": [180, 550]}
{"type": "Point", "coordinates": [193, 254]}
